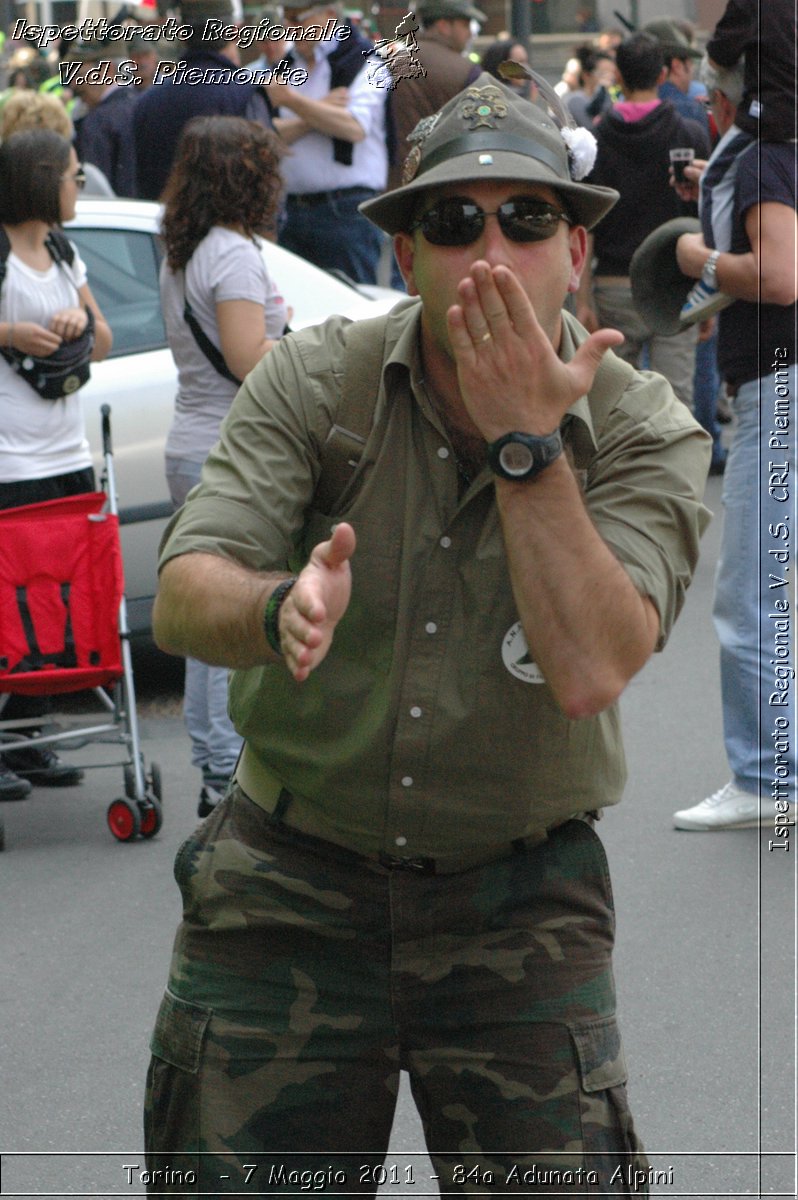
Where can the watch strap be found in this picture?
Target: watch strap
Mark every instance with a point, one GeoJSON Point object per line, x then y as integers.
{"type": "Point", "coordinates": [709, 275]}
{"type": "Point", "coordinates": [271, 615]}
{"type": "Point", "coordinates": [543, 451]}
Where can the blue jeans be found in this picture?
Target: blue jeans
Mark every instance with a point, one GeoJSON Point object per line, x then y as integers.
{"type": "Point", "coordinates": [215, 745]}
{"type": "Point", "coordinates": [706, 385]}
{"type": "Point", "coordinates": [757, 551]}
{"type": "Point", "coordinates": [334, 235]}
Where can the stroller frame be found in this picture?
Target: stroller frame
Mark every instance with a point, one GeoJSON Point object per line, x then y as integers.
{"type": "Point", "coordinates": [139, 812]}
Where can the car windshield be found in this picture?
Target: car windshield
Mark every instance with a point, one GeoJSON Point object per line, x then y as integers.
{"type": "Point", "coordinates": [122, 268]}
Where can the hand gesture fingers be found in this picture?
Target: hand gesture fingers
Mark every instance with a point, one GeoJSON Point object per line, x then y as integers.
{"type": "Point", "coordinates": [30, 338]}
{"type": "Point", "coordinates": [316, 603]}
{"type": "Point", "coordinates": [509, 372]}
{"type": "Point", "coordinates": [69, 323]}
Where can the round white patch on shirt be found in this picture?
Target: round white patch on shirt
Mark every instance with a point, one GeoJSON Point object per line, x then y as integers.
{"type": "Point", "coordinates": [515, 656]}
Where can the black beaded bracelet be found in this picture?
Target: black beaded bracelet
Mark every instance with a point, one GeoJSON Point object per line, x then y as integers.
{"type": "Point", "coordinates": [271, 615]}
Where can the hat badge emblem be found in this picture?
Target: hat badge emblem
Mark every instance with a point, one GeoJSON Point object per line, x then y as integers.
{"type": "Point", "coordinates": [418, 136]}
{"type": "Point", "coordinates": [482, 107]}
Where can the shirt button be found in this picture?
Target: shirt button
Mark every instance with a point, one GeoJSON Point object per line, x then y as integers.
{"type": "Point", "coordinates": [431, 627]}
{"type": "Point", "coordinates": [415, 711]}
{"type": "Point", "coordinates": [443, 452]}
{"type": "Point", "coordinates": [446, 542]}
{"type": "Point", "coordinates": [407, 781]}
{"type": "Point", "coordinates": [401, 841]}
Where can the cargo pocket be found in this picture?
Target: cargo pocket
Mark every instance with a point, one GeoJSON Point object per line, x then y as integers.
{"type": "Point", "coordinates": [179, 1032]}
{"type": "Point", "coordinates": [613, 1152]}
{"type": "Point", "coordinates": [172, 1102]}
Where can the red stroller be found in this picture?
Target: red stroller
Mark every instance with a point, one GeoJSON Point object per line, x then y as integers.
{"type": "Point", "coordinates": [63, 628]}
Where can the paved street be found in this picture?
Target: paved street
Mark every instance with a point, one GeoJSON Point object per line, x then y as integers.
{"type": "Point", "coordinates": [705, 959]}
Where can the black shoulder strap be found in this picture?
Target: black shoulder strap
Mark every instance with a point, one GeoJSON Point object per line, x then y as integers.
{"type": "Point", "coordinates": [58, 246]}
{"type": "Point", "coordinates": [5, 250]}
{"type": "Point", "coordinates": [364, 352]}
{"type": "Point", "coordinates": [214, 356]}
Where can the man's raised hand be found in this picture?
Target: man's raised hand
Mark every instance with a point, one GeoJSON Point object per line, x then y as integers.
{"type": "Point", "coordinates": [316, 603]}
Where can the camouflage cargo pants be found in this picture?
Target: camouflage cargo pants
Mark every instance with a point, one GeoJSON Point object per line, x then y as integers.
{"type": "Point", "coordinates": [305, 978]}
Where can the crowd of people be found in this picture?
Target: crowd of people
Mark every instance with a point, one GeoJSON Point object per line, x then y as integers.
{"type": "Point", "coordinates": [399, 867]}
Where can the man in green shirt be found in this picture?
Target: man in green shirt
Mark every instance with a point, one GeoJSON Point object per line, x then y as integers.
{"type": "Point", "coordinates": [428, 655]}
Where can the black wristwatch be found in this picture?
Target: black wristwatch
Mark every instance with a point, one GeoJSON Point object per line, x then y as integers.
{"type": "Point", "coordinates": [522, 456]}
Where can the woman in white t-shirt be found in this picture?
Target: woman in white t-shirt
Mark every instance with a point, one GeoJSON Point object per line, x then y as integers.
{"type": "Point", "coordinates": [44, 454]}
{"type": "Point", "coordinates": [222, 193]}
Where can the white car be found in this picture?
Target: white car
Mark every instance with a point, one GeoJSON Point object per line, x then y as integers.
{"type": "Point", "coordinates": [118, 241]}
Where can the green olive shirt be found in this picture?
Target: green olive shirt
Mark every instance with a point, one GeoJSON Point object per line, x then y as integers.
{"type": "Point", "coordinates": [427, 727]}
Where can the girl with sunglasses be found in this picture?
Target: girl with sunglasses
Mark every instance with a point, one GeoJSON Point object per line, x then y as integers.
{"type": "Point", "coordinates": [44, 454]}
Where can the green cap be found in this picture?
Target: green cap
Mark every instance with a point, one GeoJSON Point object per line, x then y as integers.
{"type": "Point", "coordinates": [489, 131]}
{"type": "Point", "coordinates": [672, 40]}
{"type": "Point", "coordinates": [435, 10]}
{"type": "Point", "coordinates": [91, 50]}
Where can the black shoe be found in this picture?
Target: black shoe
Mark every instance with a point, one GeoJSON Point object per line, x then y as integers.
{"type": "Point", "coordinates": [718, 466]}
{"type": "Point", "coordinates": [11, 786]}
{"type": "Point", "coordinates": [42, 766]}
{"type": "Point", "coordinates": [214, 788]}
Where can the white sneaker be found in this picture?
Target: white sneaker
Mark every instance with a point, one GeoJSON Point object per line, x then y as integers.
{"type": "Point", "coordinates": [730, 808]}
{"type": "Point", "coordinates": [702, 301]}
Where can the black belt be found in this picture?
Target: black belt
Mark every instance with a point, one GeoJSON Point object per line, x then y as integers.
{"type": "Point", "coordinates": [297, 817]}
{"type": "Point", "coordinates": [419, 864]}
{"type": "Point", "coordinates": [462, 862]}
{"type": "Point", "coordinates": [311, 199]}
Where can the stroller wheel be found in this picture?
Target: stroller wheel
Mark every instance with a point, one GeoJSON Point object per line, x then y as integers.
{"type": "Point", "coordinates": [155, 781]}
{"type": "Point", "coordinates": [151, 818]}
{"type": "Point", "coordinates": [130, 781]}
{"type": "Point", "coordinates": [124, 820]}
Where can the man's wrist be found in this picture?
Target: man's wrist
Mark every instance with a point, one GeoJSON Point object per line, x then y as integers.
{"type": "Point", "coordinates": [271, 614]}
{"type": "Point", "coordinates": [521, 457]}
{"type": "Point", "coordinates": [709, 272]}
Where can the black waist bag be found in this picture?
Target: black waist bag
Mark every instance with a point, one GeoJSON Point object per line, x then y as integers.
{"type": "Point", "coordinates": [60, 373]}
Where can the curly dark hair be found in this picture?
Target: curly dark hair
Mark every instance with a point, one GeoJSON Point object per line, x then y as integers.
{"type": "Point", "coordinates": [226, 172]}
{"type": "Point", "coordinates": [31, 165]}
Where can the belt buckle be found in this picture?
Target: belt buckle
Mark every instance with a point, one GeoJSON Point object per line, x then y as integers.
{"type": "Point", "coordinates": [420, 865]}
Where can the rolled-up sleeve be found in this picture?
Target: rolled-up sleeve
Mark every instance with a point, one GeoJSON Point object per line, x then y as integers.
{"type": "Point", "coordinates": [645, 489]}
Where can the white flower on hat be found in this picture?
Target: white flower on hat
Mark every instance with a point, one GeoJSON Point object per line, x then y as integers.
{"type": "Point", "coordinates": [581, 151]}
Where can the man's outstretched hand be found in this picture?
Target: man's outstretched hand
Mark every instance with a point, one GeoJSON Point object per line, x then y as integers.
{"type": "Point", "coordinates": [316, 603]}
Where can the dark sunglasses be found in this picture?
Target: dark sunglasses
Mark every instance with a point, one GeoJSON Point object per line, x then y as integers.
{"type": "Point", "coordinates": [455, 221]}
{"type": "Point", "coordinates": [78, 177]}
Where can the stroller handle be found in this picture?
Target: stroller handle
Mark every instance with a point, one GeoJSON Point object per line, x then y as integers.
{"type": "Point", "coordinates": [105, 412]}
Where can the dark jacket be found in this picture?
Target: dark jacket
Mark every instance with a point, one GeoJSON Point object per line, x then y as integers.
{"type": "Point", "coordinates": [761, 30]}
{"type": "Point", "coordinates": [165, 108]}
{"type": "Point", "coordinates": [446, 74]}
{"type": "Point", "coordinates": [104, 137]}
{"type": "Point", "coordinates": [632, 157]}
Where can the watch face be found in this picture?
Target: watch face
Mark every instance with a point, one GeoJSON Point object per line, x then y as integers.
{"type": "Point", "coordinates": [516, 458]}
